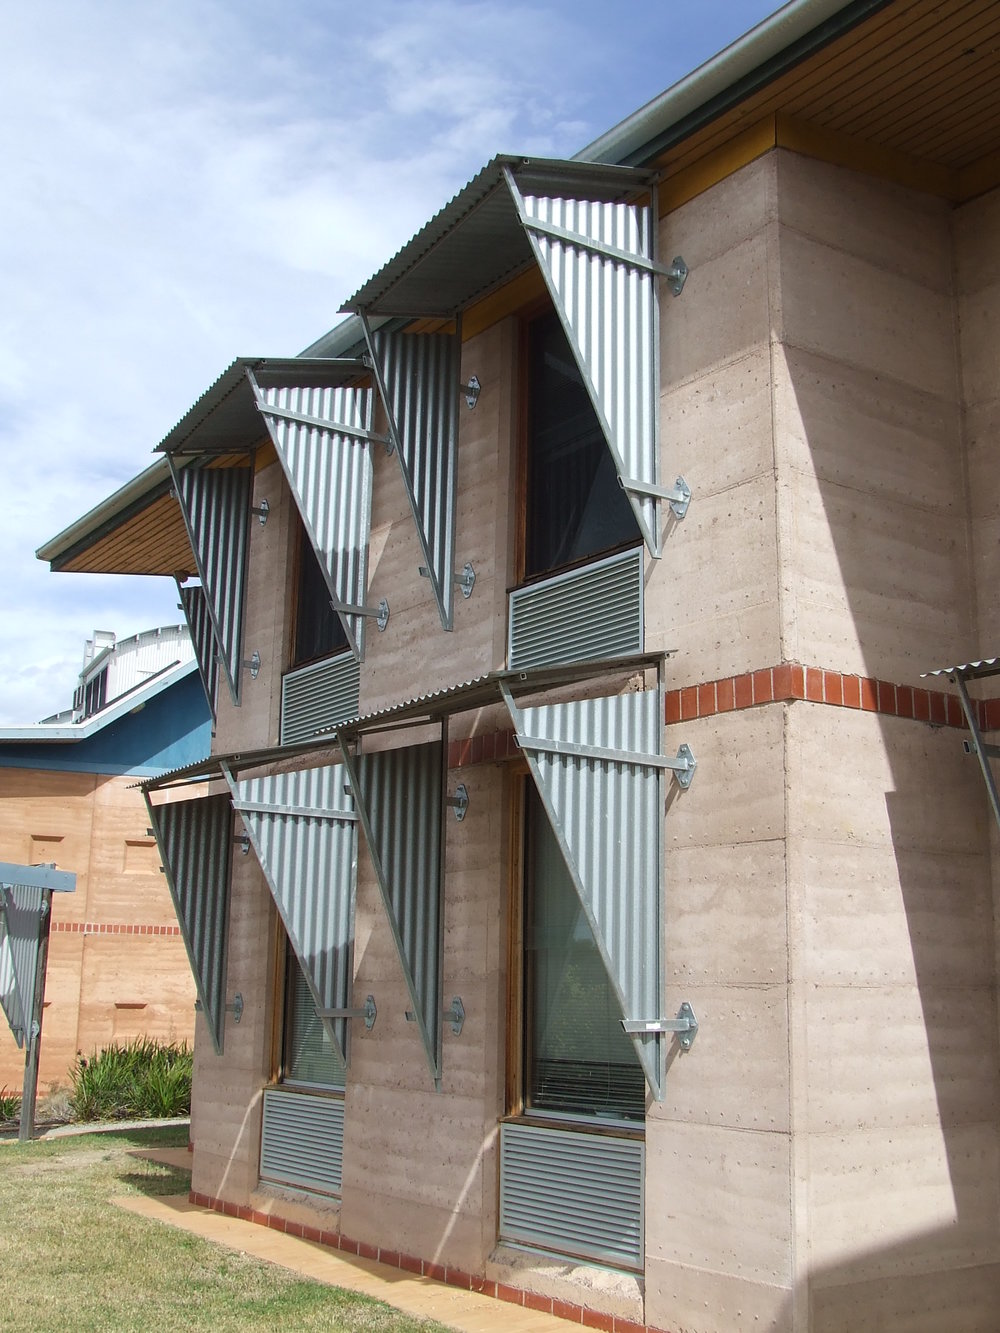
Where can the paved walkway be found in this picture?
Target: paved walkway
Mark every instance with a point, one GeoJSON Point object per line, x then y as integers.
{"type": "Point", "coordinates": [418, 1296]}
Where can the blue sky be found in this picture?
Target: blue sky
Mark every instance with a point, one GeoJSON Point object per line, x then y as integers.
{"type": "Point", "coordinates": [190, 182]}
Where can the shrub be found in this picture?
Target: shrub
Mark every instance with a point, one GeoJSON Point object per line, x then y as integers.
{"type": "Point", "coordinates": [10, 1105]}
{"type": "Point", "coordinates": [143, 1080]}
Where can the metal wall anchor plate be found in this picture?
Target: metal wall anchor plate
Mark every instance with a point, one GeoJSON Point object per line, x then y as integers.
{"type": "Point", "coordinates": [367, 1011]}
{"type": "Point", "coordinates": [459, 802]}
{"type": "Point", "coordinates": [455, 1016]}
{"type": "Point", "coordinates": [685, 1025]}
{"type": "Point", "coordinates": [262, 510]}
{"type": "Point", "coordinates": [471, 391]}
{"type": "Point", "coordinates": [252, 665]}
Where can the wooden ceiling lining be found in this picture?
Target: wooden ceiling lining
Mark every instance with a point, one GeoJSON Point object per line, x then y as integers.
{"type": "Point", "coordinates": [151, 541]}
{"type": "Point", "coordinates": [920, 79]}
{"type": "Point", "coordinates": [902, 64]}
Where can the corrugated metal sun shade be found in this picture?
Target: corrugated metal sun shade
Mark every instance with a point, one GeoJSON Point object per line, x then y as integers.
{"type": "Point", "coordinates": [195, 842]}
{"type": "Point", "coordinates": [399, 795]}
{"type": "Point", "coordinates": [199, 623]}
{"type": "Point", "coordinates": [24, 894]}
{"type": "Point", "coordinates": [216, 507]}
{"type": "Point", "coordinates": [593, 762]}
{"type": "Point", "coordinates": [302, 827]}
{"type": "Point", "coordinates": [418, 379]}
{"type": "Point", "coordinates": [321, 433]}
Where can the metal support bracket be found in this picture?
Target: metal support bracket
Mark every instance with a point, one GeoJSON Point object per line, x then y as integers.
{"type": "Point", "coordinates": [252, 665]}
{"type": "Point", "coordinates": [471, 391]}
{"type": "Point", "coordinates": [455, 1015]}
{"type": "Point", "coordinates": [379, 613]}
{"type": "Point", "coordinates": [243, 841]}
{"type": "Point", "coordinates": [676, 275]}
{"type": "Point", "coordinates": [981, 747]}
{"type": "Point", "coordinates": [368, 1012]}
{"type": "Point", "coordinates": [262, 510]}
{"type": "Point", "coordinates": [459, 802]}
{"type": "Point", "coordinates": [679, 495]}
{"type": "Point", "coordinates": [685, 1025]}
{"type": "Point", "coordinates": [683, 766]}
{"type": "Point", "coordinates": [236, 1008]}
{"type": "Point", "coordinates": [466, 580]}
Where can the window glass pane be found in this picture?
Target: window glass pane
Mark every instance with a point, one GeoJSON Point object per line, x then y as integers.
{"type": "Point", "coordinates": [309, 1056]}
{"type": "Point", "coordinates": [577, 1058]}
{"type": "Point", "coordinates": [318, 631]}
{"type": "Point", "coordinates": [575, 507]}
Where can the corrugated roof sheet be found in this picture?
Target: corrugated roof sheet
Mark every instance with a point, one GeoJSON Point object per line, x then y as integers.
{"type": "Point", "coordinates": [225, 418]}
{"type": "Point", "coordinates": [987, 666]}
{"type": "Point", "coordinates": [480, 692]}
{"type": "Point", "coordinates": [476, 242]}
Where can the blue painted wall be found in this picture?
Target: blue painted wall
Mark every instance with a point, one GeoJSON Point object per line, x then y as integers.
{"type": "Point", "coordinates": [173, 729]}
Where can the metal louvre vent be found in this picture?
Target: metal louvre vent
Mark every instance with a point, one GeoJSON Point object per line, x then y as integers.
{"type": "Point", "coordinates": [302, 1141]}
{"type": "Point", "coordinates": [590, 613]}
{"type": "Point", "coordinates": [318, 696]}
{"type": "Point", "coordinates": [577, 1194]}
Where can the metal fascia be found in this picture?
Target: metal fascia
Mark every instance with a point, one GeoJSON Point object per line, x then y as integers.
{"type": "Point", "coordinates": [784, 39]}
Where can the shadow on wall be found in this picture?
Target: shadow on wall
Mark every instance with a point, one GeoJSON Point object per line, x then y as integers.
{"type": "Point", "coordinates": [902, 1186]}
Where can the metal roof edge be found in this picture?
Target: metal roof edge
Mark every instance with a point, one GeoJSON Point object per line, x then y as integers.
{"type": "Point", "coordinates": [781, 40]}
{"type": "Point", "coordinates": [49, 733]}
{"type": "Point", "coordinates": [133, 493]}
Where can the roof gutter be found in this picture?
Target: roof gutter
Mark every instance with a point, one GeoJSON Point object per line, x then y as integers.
{"type": "Point", "coordinates": [788, 36]}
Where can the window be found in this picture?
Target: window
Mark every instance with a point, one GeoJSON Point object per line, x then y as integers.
{"type": "Point", "coordinates": [309, 1059]}
{"type": "Point", "coordinates": [318, 631]}
{"type": "Point", "coordinates": [574, 507]}
{"type": "Point", "coordinates": [577, 1060]}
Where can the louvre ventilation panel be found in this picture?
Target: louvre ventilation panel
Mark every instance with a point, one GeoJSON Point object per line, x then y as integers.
{"type": "Point", "coordinates": [328, 465]}
{"type": "Point", "coordinates": [608, 308]}
{"type": "Point", "coordinates": [302, 827]}
{"type": "Point", "coordinates": [302, 1141]}
{"type": "Point", "coordinates": [588, 614]}
{"type": "Point", "coordinates": [199, 623]}
{"type": "Point", "coordinates": [578, 1194]}
{"type": "Point", "coordinates": [195, 840]}
{"type": "Point", "coordinates": [216, 507]}
{"type": "Point", "coordinates": [319, 696]}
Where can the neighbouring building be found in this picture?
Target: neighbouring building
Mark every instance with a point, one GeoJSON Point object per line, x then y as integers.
{"type": "Point", "coordinates": [617, 930]}
{"type": "Point", "coordinates": [69, 796]}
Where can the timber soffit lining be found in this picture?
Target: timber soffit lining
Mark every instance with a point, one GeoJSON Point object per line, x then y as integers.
{"type": "Point", "coordinates": [920, 79]}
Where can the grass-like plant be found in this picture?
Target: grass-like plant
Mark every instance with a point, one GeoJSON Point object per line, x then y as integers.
{"type": "Point", "coordinates": [10, 1105]}
{"type": "Point", "coordinates": [143, 1080]}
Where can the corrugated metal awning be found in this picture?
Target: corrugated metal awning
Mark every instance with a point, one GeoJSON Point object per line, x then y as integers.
{"type": "Point", "coordinates": [226, 419]}
{"type": "Point", "coordinates": [987, 666]}
{"type": "Point", "coordinates": [476, 243]}
{"type": "Point", "coordinates": [195, 843]}
{"type": "Point", "coordinates": [468, 696]}
{"type": "Point", "coordinates": [594, 240]}
{"type": "Point", "coordinates": [595, 765]}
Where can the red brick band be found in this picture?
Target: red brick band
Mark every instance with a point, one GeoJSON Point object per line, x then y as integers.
{"type": "Point", "coordinates": [110, 928]}
{"type": "Point", "coordinates": [453, 1277]}
{"type": "Point", "coordinates": [780, 684]}
{"type": "Point", "coordinates": [791, 681]}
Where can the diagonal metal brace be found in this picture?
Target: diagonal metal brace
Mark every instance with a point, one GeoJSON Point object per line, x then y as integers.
{"type": "Point", "coordinates": [678, 495]}
{"type": "Point", "coordinates": [379, 613]}
{"type": "Point", "coordinates": [368, 1012]}
{"type": "Point", "coordinates": [685, 1025]}
{"type": "Point", "coordinates": [466, 580]}
{"type": "Point", "coordinates": [236, 1008]}
{"type": "Point", "coordinates": [455, 1015]}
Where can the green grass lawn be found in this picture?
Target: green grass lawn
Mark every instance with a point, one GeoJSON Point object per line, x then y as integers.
{"type": "Point", "coordinates": [70, 1260]}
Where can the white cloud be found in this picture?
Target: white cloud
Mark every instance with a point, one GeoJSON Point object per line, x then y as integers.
{"type": "Point", "coordinates": [188, 183]}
